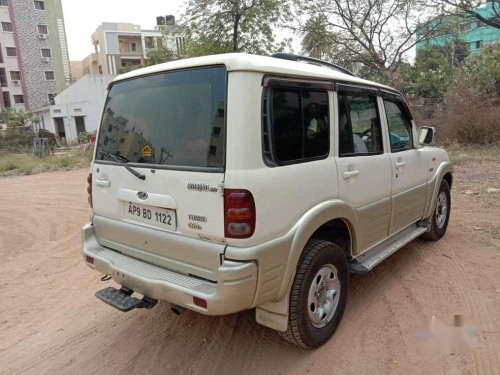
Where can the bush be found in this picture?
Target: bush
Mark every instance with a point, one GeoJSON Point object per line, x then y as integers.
{"type": "Point", "coordinates": [471, 110]}
{"type": "Point", "coordinates": [17, 140]}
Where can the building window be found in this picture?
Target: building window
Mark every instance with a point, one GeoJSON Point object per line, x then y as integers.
{"type": "Point", "coordinates": [7, 27]}
{"type": "Point", "coordinates": [46, 52]}
{"type": "Point", "coordinates": [3, 78]}
{"type": "Point", "coordinates": [6, 99]}
{"type": "Point", "coordinates": [11, 51]}
{"type": "Point", "coordinates": [43, 29]}
{"type": "Point", "coordinates": [15, 75]}
{"type": "Point", "coordinates": [4, 3]}
{"type": "Point", "coordinates": [51, 98]}
{"type": "Point", "coordinates": [133, 47]}
{"type": "Point", "coordinates": [49, 75]}
{"type": "Point", "coordinates": [19, 99]}
{"type": "Point", "coordinates": [40, 5]}
{"type": "Point", "coordinates": [479, 44]}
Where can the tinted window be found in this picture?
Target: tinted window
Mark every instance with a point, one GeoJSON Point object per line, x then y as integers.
{"type": "Point", "coordinates": [172, 119]}
{"type": "Point", "coordinates": [359, 125]}
{"type": "Point", "coordinates": [300, 125]}
{"type": "Point", "coordinates": [399, 125]}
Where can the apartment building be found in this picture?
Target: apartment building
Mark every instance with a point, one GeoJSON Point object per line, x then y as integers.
{"type": "Point", "coordinates": [116, 45]}
{"type": "Point", "coordinates": [120, 46]}
{"type": "Point", "coordinates": [34, 63]}
{"type": "Point", "coordinates": [174, 35]}
{"type": "Point", "coordinates": [467, 29]}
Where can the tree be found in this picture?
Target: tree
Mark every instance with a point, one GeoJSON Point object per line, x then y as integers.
{"type": "Point", "coordinates": [371, 34]}
{"type": "Point", "coordinates": [430, 77]}
{"type": "Point", "coordinates": [159, 55]}
{"type": "Point", "coordinates": [220, 26]}
{"type": "Point", "coordinates": [15, 118]}
{"type": "Point", "coordinates": [468, 8]}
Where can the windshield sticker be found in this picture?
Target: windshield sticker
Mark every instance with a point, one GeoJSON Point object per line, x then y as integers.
{"type": "Point", "coordinates": [147, 151]}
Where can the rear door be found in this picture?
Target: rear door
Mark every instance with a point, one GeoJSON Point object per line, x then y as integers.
{"type": "Point", "coordinates": [409, 166]}
{"type": "Point", "coordinates": [169, 130]}
{"type": "Point", "coordinates": [364, 167]}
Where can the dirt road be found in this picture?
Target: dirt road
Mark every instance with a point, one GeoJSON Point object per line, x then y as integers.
{"type": "Point", "coordinates": [51, 323]}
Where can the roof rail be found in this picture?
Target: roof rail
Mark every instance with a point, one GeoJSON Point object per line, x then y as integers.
{"type": "Point", "coordinates": [311, 60]}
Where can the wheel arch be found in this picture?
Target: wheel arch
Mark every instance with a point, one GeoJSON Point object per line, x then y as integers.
{"type": "Point", "coordinates": [448, 177]}
{"type": "Point", "coordinates": [323, 221]}
{"type": "Point", "coordinates": [444, 172]}
{"type": "Point", "coordinates": [316, 223]}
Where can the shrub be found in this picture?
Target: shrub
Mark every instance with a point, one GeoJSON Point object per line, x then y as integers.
{"type": "Point", "coordinates": [471, 111]}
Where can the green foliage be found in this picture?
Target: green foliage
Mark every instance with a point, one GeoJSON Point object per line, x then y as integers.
{"type": "Point", "coordinates": [15, 118]}
{"type": "Point", "coordinates": [18, 135]}
{"type": "Point", "coordinates": [221, 26]}
{"type": "Point", "coordinates": [27, 163]}
{"type": "Point", "coordinates": [483, 70]}
{"type": "Point", "coordinates": [428, 79]}
{"type": "Point", "coordinates": [159, 55]}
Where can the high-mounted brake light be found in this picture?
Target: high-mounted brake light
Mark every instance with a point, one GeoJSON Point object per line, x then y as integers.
{"type": "Point", "coordinates": [239, 213]}
{"type": "Point", "coordinates": [89, 189]}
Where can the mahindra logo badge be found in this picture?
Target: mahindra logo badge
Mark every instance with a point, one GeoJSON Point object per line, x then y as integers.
{"type": "Point", "coordinates": [142, 195]}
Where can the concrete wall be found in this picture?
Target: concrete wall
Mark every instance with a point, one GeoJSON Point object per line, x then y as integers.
{"type": "Point", "coordinates": [58, 43]}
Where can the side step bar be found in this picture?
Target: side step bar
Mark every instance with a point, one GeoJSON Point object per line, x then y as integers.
{"type": "Point", "coordinates": [377, 254]}
{"type": "Point", "coordinates": [122, 299]}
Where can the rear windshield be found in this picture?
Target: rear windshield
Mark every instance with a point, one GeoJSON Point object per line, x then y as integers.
{"type": "Point", "coordinates": [173, 119]}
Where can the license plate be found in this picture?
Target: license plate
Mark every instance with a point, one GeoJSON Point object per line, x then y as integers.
{"type": "Point", "coordinates": [155, 216]}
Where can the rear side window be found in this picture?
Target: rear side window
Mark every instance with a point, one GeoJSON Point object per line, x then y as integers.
{"type": "Point", "coordinates": [173, 119]}
{"type": "Point", "coordinates": [299, 125]}
{"type": "Point", "coordinates": [360, 131]}
{"type": "Point", "coordinates": [399, 123]}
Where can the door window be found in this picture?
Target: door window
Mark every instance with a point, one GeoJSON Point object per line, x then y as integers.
{"type": "Point", "coordinates": [399, 124]}
{"type": "Point", "coordinates": [300, 125]}
{"type": "Point", "coordinates": [359, 125]}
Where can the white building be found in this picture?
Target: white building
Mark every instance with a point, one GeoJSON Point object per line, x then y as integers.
{"type": "Point", "coordinates": [78, 108]}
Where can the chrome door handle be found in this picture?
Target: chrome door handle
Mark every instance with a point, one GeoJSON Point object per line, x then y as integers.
{"type": "Point", "coordinates": [350, 174]}
{"type": "Point", "coordinates": [400, 164]}
{"type": "Point", "coordinates": [103, 183]}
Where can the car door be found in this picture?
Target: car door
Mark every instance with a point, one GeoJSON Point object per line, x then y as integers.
{"type": "Point", "coordinates": [364, 167]}
{"type": "Point", "coordinates": [409, 166]}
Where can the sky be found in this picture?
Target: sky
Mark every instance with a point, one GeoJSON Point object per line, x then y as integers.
{"type": "Point", "coordinates": [81, 18]}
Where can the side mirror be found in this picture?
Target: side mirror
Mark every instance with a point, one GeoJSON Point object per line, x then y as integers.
{"type": "Point", "coordinates": [426, 135]}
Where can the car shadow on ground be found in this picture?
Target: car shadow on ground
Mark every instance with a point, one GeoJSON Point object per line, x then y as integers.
{"type": "Point", "coordinates": [196, 343]}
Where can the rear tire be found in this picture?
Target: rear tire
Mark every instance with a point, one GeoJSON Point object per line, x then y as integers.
{"type": "Point", "coordinates": [318, 296]}
{"type": "Point", "coordinates": [441, 213]}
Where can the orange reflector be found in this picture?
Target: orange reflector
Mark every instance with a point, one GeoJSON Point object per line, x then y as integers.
{"type": "Point", "coordinates": [200, 302]}
{"type": "Point", "coordinates": [89, 259]}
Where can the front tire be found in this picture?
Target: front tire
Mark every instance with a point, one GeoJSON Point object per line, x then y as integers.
{"type": "Point", "coordinates": [441, 214]}
{"type": "Point", "coordinates": [318, 296]}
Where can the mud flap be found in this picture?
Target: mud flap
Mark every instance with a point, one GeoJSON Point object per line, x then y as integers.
{"type": "Point", "coordinates": [272, 319]}
{"type": "Point", "coordinates": [275, 314]}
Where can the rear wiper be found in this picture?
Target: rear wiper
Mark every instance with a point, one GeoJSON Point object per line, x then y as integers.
{"type": "Point", "coordinates": [124, 162]}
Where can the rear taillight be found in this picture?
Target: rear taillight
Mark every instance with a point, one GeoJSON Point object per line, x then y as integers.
{"type": "Point", "coordinates": [89, 188]}
{"type": "Point", "coordinates": [239, 213]}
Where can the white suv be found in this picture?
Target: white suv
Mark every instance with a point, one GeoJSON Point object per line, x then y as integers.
{"type": "Point", "coordinates": [231, 182]}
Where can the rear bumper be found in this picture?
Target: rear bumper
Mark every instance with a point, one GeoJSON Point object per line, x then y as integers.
{"type": "Point", "coordinates": [233, 291]}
